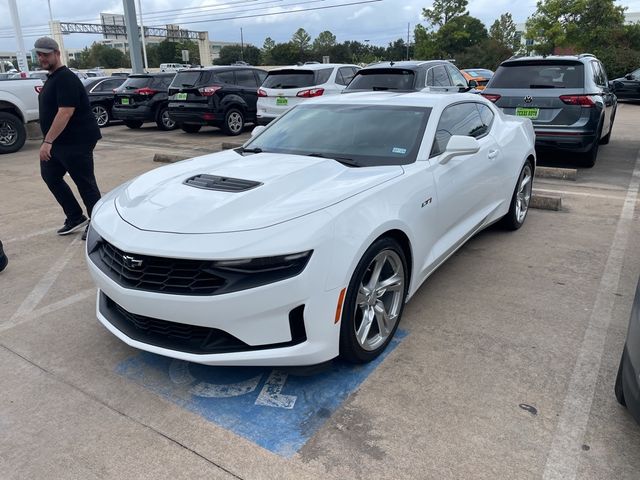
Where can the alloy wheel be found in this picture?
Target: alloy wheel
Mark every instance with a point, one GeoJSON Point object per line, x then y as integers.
{"type": "Point", "coordinates": [523, 197]}
{"type": "Point", "coordinates": [234, 121]}
{"type": "Point", "coordinates": [101, 114]}
{"type": "Point", "coordinates": [379, 300]}
{"type": "Point", "coordinates": [166, 120]}
{"type": "Point", "coordinates": [8, 133]}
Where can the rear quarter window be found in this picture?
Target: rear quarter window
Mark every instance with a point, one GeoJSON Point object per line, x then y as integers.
{"type": "Point", "coordinates": [539, 75]}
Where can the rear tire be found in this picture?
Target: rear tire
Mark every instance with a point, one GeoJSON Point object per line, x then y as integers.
{"type": "Point", "coordinates": [133, 123]}
{"type": "Point", "coordinates": [605, 140]}
{"type": "Point", "coordinates": [190, 127]}
{"type": "Point", "coordinates": [618, 387]}
{"type": "Point", "coordinates": [588, 159]}
{"type": "Point", "coordinates": [103, 118]}
{"type": "Point", "coordinates": [233, 122]}
{"type": "Point", "coordinates": [520, 199]}
{"type": "Point", "coordinates": [13, 134]}
{"type": "Point", "coordinates": [374, 304]}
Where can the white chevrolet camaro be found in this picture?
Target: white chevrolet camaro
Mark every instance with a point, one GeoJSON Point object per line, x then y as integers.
{"type": "Point", "coordinates": [307, 242]}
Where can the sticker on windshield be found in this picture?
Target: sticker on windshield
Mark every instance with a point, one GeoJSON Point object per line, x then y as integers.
{"type": "Point", "coordinates": [399, 150]}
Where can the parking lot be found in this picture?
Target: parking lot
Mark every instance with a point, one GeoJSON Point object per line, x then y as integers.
{"type": "Point", "coordinates": [503, 369]}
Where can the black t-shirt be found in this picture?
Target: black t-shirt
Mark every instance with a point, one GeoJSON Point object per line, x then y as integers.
{"type": "Point", "coordinates": [64, 89]}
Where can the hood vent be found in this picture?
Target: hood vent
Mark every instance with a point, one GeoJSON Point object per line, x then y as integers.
{"type": "Point", "coordinates": [221, 184]}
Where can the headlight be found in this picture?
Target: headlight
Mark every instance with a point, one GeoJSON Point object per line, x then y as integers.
{"type": "Point", "coordinates": [92, 239]}
{"type": "Point", "coordinates": [242, 274]}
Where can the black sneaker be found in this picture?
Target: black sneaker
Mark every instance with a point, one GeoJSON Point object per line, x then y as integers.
{"type": "Point", "coordinates": [70, 227]}
{"type": "Point", "coordinates": [86, 230]}
{"type": "Point", "coordinates": [3, 259]}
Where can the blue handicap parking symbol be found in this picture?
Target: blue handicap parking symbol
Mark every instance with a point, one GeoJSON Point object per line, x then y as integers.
{"type": "Point", "coordinates": [278, 411]}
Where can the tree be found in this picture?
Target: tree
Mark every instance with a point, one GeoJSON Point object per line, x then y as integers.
{"type": "Point", "coordinates": [232, 53]}
{"type": "Point", "coordinates": [301, 40]}
{"type": "Point", "coordinates": [284, 54]}
{"type": "Point", "coordinates": [487, 54]}
{"type": "Point", "coordinates": [443, 11]}
{"type": "Point", "coordinates": [426, 46]}
{"type": "Point", "coordinates": [323, 44]}
{"type": "Point", "coordinates": [398, 50]}
{"type": "Point", "coordinates": [267, 47]}
{"type": "Point", "coordinates": [503, 31]}
{"type": "Point", "coordinates": [459, 34]}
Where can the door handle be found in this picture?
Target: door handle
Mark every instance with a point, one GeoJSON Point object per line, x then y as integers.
{"type": "Point", "coordinates": [492, 154]}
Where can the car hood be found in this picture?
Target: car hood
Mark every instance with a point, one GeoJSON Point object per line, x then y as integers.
{"type": "Point", "coordinates": [289, 186]}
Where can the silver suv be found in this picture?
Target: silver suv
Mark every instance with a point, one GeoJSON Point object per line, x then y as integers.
{"type": "Point", "coordinates": [568, 99]}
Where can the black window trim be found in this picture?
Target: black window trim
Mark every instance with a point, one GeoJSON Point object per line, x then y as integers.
{"type": "Point", "coordinates": [465, 102]}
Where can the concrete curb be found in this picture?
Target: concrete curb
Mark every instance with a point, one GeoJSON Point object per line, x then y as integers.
{"type": "Point", "coordinates": [546, 202]}
{"type": "Point", "coordinates": [168, 158]}
{"type": "Point", "coordinates": [561, 173]}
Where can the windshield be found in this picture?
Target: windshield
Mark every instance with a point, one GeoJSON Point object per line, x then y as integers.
{"type": "Point", "coordinates": [383, 79]}
{"type": "Point", "coordinates": [360, 135]}
{"type": "Point", "coordinates": [539, 75]}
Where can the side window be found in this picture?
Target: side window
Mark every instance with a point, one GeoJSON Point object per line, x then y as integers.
{"type": "Point", "coordinates": [245, 78]}
{"type": "Point", "coordinates": [440, 77]}
{"type": "Point", "coordinates": [344, 76]}
{"type": "Point", "coordinates": [604, 74]}
{"type": "Point", "coordinates": [322, 76]}
{"type": "Point", "coordinates": [457, 77]}
{"type": "Point", "coordinates": [226, 77]}
{"type": "Point", "coordinates": [486, 116]}
{"type": "Point", "coordinates": [460, 119]}
{"type": "Point", "coordinates": [597, 75]}
{"type": "Point", "coordinates": [430, 78]}
{"type": "Point", "coordinates": [261, 76]}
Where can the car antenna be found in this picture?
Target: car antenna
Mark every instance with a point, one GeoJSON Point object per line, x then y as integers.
{"type": "Point", "coordinates": [391, 63]}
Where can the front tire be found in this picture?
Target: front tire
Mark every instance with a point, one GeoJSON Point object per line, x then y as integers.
{"type": "Point", "coordinates": [13, 134]}
{"type": "Point", "coordinates": [164, 121]}
{"type": "Point", "coordinates": [233, 122]}
{"type": "Point", "coordinates": [374, 302]}
{"type": "Point", "coordinates": [520, 200]}
{"type": "Point", "coordinates": [618, 386]}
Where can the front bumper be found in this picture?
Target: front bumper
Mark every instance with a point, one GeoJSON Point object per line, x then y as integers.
{"type": "Point", "coordinates": [261, 321]}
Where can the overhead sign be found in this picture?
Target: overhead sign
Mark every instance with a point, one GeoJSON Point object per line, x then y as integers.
{"type": "Point", "coordinates": [275, 409]}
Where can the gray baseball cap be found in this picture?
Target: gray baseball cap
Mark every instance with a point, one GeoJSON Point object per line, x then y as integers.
{"type": "Point", "coordinates": [45, 45]}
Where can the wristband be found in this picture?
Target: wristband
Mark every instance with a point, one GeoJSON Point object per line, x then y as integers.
{"type": "Point", "coordinates": [50, 143]}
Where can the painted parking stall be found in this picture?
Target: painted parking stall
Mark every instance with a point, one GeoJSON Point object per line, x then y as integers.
{"type": "Point", "coordinates": [274, 409]}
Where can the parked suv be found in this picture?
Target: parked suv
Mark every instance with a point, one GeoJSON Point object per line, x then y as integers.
{"type": "Point", "coordinates": [286, 87]}
{"type": "Point", "coordinates": [143, 98]}
{"type": "Point", "coordinates": [567, 98]}
{"type": "Point", "coordinates": [409, 76]}
{"type": "Point", "coordinates": [223, 97]}
{"type": "Point", "coordinates": [101, 95]}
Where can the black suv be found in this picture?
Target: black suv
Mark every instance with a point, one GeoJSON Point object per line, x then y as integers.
{"type": "Point", "coordinates": [100, 92]}
{"type": "Point", "coordinates": [628, 87]}
{"type": "Point", "coordinates": [143, 98]}
{"type": "Point", "coordinates": [567, 98]}
{"type": "Point", "coordinates": [408, 76]}
{"type": "Point", "coordinates": [223, 97]}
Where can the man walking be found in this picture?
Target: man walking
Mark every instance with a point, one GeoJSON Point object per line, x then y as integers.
{"type": "Point", "coordinates": [70, 135]}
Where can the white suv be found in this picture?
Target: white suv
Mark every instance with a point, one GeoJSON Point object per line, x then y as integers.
{"type": "Point", "coordinates": [285, 87]}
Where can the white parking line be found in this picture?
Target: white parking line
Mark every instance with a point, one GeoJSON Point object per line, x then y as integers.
{"type": "Point", "coordinates": [564, 455]}
{"type": "Point", "coordinates": [30, 235]}
{"type": "Point", "coordinates": [580, 194]}
{"type": "Point", "coordinates": [42, 288]}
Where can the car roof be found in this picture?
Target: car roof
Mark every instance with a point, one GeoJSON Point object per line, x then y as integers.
{"type": "Point", "coordinates": [313, 66]}
{"type": "Point", "coordinates": [221, 68]}
{"type": "Point", "coordinates": [407, 64]}
{"type": "Point", "coordinates": [150, 75]}
{"type": "Point", "coordinates": [413, 99]}
{"type": "Point", "coordinates": [584, 57]}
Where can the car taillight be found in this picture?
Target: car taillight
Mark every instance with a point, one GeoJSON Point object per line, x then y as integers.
{"type": "Point", "coordinates": [491, 97]}
{"type": "Point", "coordinates": [209, 91]}
{"type": "Point", "coordinates": [314, 92]}
{"type": "Point", "coordinates": [145, 91]}
{"type": "Point", "coordinates": [38, 88]}
{"type": "Point", "coordinates": [581, 100]}
{"type": "Point", "coordinates": [262, 93]}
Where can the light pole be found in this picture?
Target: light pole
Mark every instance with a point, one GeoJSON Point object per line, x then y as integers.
{"type": "Point", "coordinates": [144, 45]}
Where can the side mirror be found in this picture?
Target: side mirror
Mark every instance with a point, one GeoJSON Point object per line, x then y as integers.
{"type": "Point", "coordinates": [473, 83]}
{"type": "Point", "coordinates": [459, 145]}
{"type": "Point", "coordinates": [256, 130]}
{"type": "Point", "coordinates": [628, 76]}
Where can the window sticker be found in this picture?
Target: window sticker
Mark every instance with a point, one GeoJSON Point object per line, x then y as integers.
{"type": "Point", "coordinates": [399, 150]}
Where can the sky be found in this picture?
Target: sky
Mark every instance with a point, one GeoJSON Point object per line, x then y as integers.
{"type": "Point", "coordinates": [376, 21]}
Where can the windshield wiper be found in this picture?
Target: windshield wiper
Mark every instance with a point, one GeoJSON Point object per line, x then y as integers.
{"type": "Point", "coordinates": [344, 160]}
{"type": "Point", "coordinates": [542, 86]}
{"type": "Point", "coordinates": [249, 150]}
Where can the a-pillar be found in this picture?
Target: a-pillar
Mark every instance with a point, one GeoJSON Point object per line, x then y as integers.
{"type": "Point", "coordinates": [56, 31]}
{"type": "Point", "coordinates": [204, 49]}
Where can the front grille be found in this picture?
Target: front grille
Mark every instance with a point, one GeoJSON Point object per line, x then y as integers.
{"type": "Point", "coordinates": [190, 338]}
{"type": "Point", "coordinates": [221, 184]}
{"type": "Point", "coordinates": [156, 274]}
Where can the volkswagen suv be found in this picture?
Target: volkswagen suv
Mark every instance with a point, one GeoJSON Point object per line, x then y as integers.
{"type": "Point", "coordinates": [567, 98]}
